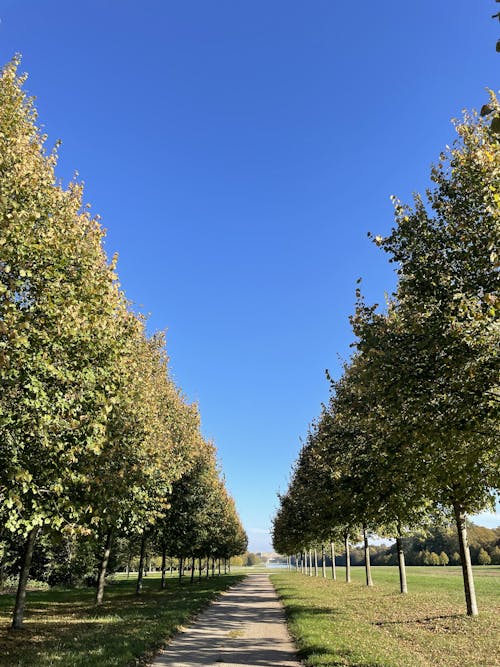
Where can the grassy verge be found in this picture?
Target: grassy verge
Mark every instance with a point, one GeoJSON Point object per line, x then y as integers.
{"type": "Point", "coordinates": [63, 627]}
{"type": "Point", "coordinates": [334, 623]}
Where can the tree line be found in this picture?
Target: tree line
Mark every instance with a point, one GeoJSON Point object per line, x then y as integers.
{"type": "Point", "coordinates": [411, 427]}
{"type": "Point", "coordinates": [96, 440]}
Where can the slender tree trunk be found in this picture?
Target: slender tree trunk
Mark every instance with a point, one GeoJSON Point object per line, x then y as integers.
{"type": "Point", "coordinates": [305, 562]}
{"type": "Point", "coordinates": [225, 565]}
{"type": "Point", "coordinates": [315, 562]}
{"type": "Point", "coordinates": [401, 562]}
{"type": "Point", "coordinates": [193, 565]}
{"type": "Point", "coordinates": [129, 561]}
{"type": "Point", "coordinates": [323, 562]}
{"type": "Point", "coordinates": [140, 574]}
{"type": "Point", "coordinates": [347, 559]}
{"type": "Point", "coordinates": [470, 592]}
{"type": "Point", "coordinates": [213, 567]}
{"type": "Point", "coordinates": [170, 560]}
{"type": "Point", "coordinates": [17, 618]}
{"type": "Point", "coordinates": [332, 554]}
{"type": "Point", "coordinates": [229, 565]}
{"type": "Point", "coordinates": [163, 584]}
{"type": "Point", "coordinates": [310, 563]}
{"type": "Point", "coordinates": [199, 569]}
{"type": "Point", "coordinates": [102, 570]}
{"type": "Point", "coordinates": [208, 566]}
{"type": "Point", "coordinates": [368, 567]}
{"type": "Point", "coordinates": [181, 567]}
{"type": "Point", "coordinates": [218, 567]}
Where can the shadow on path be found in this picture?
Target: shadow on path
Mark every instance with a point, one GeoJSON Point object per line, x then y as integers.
{"type": "Point", "coordinates": [245, 626]}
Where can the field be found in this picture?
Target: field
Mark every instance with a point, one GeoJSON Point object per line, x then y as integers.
{"type": "Point", "coordinates": [334, 623]}
{"type": "Point", "coordinates": [64, 628]}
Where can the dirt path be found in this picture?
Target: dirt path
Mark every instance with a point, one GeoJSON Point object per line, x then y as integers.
{"type": "Point", "coordinates": [246, 626]}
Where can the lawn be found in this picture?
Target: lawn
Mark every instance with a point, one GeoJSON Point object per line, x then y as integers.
{"type": "Point", "coordinates": [64, 628]}
{"type": "Point", "coordinates": [334, 623]}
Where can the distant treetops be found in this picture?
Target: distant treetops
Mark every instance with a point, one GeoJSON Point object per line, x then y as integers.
{"type": "Point", "coordinates": [95, 438]}
{"type": "Point", "coordinates": [412, 425]}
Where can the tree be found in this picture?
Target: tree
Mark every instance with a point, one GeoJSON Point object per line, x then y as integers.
{"type": "Point", "coordinates": [58, 297]}
{"type": "Point", "coordinates": [446, 389]}
{"type": "Point", "coordinates": [483, 557]}
{"type": "Point", "coordinates": [443, 558]}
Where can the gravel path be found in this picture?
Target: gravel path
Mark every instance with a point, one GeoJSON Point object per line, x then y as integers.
{"type": "Point", "coordinates": [246, 626]}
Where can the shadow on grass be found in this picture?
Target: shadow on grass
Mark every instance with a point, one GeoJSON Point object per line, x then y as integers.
{"type": "Point", "coordinates": [420, 621]}
{"type": "Point", "coordinates": [65, 627]}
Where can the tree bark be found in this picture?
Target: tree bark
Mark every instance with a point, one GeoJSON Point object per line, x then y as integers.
{"type": "Point", "coordinates": [305, 563]}
{"type": "Point", "coordinates": [140, 574]}
{"type": "Point", "coordinates": [470, 592]}
{"type": "Point", "coordinates": [347, 558]}
{"type": "Point", "coordinates": [181, 567]}
{"type": "Point", "coordinates": [18, 615]}
{"type": "Point", "coordinates": [208, 566]}
{"type": "Point", "coordinates": [102, 570]}
{"type": "Point", "coordinates": [310, 563]}
{"type": "Point", "coordinates": [323, 562]}
{"type": "Point", "coordinates": [368, 567]}
{"type": "Point", "coordinates": [315, 562]}
{"type": "Point", "coordinates": [213, 567]}
{"type": "Point", "coordinates": [332, 553]}
{"type": "Point", "coordinates": [401, 562]}
{"type": "Point", "coordinates": [193, 564]}
{"type": "Point", "coordinates": [218, 567]}
{"type": "Point", "coordinates": [163, 584]}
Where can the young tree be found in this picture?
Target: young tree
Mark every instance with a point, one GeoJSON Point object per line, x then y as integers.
{"type": "Point", "coordinates": [445, 389]}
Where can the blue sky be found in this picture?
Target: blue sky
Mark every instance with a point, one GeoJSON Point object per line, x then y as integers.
{"type": "Point", "coordinates": [238, 152]}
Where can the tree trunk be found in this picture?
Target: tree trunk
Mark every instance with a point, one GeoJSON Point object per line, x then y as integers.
{"type": "Point", "coordinates": [470, 593]}
{"type": "Point", "coordinates": [305, 562]}
{"type": "Point", "coordinates": [310, 563]}
{"type": "Point", "coordinates": [225, 565]}
{"type": "Point", "coordinates": [17, 618]}
{"type": "Point", "coordinates": [401, 562]}
{"type": "Point", "coordinates": [102, 570]}
{"type": "Point", "coordinates": [347, 559]}
{"type": "Point", "coordinates": [208, 566]}
{"type": "Point", "coordinates": [323, 562]}
{"type": "Point", "coordinates": [332, 553]}
{"type": "Point", "coordinates": [129, 560]}
{"type": "Point", "coordinates": [218, 567]}
{"type": "Point", "coordinates": [181, 567]}
{"type": "Point", "coordinates": [140, 574]}
{"type": "Point", "coordinates": [213, 567]}
{"type": "Point", "coordinates": [193, 565]}
{"type": "Point", "coordinates": [368, 568]}
{"type": "Point", "coordinates": [163, 584]}
{"type": "Point", "coordinates": [315, 562]}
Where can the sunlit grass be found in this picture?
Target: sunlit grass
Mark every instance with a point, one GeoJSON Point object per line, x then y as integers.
{"type": "Point", "coordinates": [63, 627]}
{"type": "Point", "coordinates": [335, 623]}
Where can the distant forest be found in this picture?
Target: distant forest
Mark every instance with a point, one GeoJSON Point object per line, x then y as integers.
{"type": "Point", "coordinates": [438, 546]}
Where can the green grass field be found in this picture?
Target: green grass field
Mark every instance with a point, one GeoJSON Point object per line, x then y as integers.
{"type": "Point", "coordinates": [334, 623]}
{"type": "Point", "coordinates": [64, 628]}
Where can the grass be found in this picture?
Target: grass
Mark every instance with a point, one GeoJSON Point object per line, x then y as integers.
{"type": "Point", "coordinates": [334, 623]}
{"type": "Point", "coordinates": [64, 628]}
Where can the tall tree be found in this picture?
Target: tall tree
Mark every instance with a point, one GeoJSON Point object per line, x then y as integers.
{"type": "Point", "coordinates": [445, 389]}
{"type": "Point", "coordinates": [58, 297]}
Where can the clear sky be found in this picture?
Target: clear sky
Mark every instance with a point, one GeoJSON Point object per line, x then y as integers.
{"type": "Point", "coordinates": [238, 152]}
